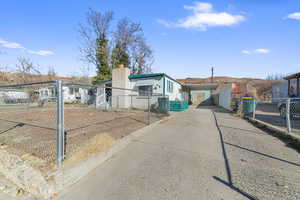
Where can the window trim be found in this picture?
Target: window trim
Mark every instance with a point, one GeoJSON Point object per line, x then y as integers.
{"type": "Point", "coordinates": [145, 92]}
{"type": "Point", "coordinates": [170, 86]}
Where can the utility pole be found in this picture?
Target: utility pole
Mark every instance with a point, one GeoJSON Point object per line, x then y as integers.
{"type": "Point", "coordinates": [212, 74]}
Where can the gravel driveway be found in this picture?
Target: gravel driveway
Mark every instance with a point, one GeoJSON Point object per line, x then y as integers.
{"type": "Point", "coordinates": [197, 154]}
{"type": "Point", "coordinates": [259, 164]}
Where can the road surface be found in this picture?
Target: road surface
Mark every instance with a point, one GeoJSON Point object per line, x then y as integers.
{"type": "Point", "coordinates": [197, 154]}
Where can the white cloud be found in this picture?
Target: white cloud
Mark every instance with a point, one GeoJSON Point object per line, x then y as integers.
{"type": "Point", "coordinates": [164, 22]}
{"type": "Point", "coordinates": [200, 7]}
{"type": "Point", "coordinates": [14, 45]}
{"type": "Point", "coordinates": [256, 51]}
{"type": "Point", "coordinates": [262, 51]}
{"type": "Point", "coordinates": [41, 52]}
{"type": "Point", "coordinates": [295, 15]}
{"type": "Point", "coordinates": [11, 45]}
{"type": "Point", "coordinates": [246, 52]}
{"type": "Point", "coordinates": [203, 17]}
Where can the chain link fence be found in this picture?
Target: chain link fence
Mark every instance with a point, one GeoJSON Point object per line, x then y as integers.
{"type": "Point", "coordinates": [105, 114]}
{"type": "Point", "coordinates": [28, 115]}
{"type": "Point", "coordinates": [283, 113]}
{"type": "Point", "coordinates": [48, 122]}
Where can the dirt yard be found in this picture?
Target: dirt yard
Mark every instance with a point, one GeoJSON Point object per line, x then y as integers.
{"type": "Point", "coordinates": [33, 131]}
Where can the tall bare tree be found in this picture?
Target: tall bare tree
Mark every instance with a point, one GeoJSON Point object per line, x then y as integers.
{"type": "Point", "coordinates": [141, 57]}
{"type": "Point", "coordinates": [107, 49]}
{"type": "Point", "coordinates": [95, 41]}
{"type": "Point", "coordinates": [25, 68]}
{"type": "Point", "coordinates": [129, 37]}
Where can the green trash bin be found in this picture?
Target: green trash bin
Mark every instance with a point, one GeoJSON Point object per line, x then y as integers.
{"type": "Point", "coordinates": [248, 105]}
{"type": "Point", "coordinates": [163, 105]}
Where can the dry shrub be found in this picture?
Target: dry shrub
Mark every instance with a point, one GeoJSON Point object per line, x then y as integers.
{"type": "Point", "coordinates": [98, 143]}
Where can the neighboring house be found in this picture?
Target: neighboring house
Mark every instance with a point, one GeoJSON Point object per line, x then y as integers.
{"type": "Point", "coordinates": [12, 96]}
{"type": "Point", "coordinates": [70, 93]}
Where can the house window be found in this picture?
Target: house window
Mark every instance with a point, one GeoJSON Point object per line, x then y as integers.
{"type": "Point", "coordinates": [76, 90]}
{"type": "Point", "coordinates": [145, 90]}
{"type": "Point", "coordinates": [71, 91]}
{"type": "Point", "coordinates": [169, 86]}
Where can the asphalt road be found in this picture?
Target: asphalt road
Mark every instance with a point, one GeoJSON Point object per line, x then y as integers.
{"type": "Point", "coordinates": [197, 154]}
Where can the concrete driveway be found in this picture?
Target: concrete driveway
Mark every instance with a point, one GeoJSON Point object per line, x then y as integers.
{"type": "Point", "coordinates": [197, 154]}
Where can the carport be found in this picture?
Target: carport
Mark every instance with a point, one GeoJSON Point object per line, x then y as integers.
{"type": "Point", "coordinates": [200, 93]}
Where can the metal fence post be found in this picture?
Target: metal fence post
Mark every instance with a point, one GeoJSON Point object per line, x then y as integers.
{"type": "Point", "coordinates": [118, 102]}
{"type": "Point", "coordinates": [254, 108]}
{"type": "Point", "coordinates": [288, 120]}
{"type": "Point", "coordinates": [148, 108]}
{"type": "Point", "coordinates": [60, 125]}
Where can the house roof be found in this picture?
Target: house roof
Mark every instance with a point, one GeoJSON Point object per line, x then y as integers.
{"type": "Point", "coordinates": [135, 76]}
{"type": "Point", "coordinates": [138, 76]}
{"type": "Point", "coordinates": [292, 76]}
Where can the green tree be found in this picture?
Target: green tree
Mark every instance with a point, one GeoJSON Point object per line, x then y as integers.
{"type": "Point", "coordinates": [102, 57]}
{"type": "Point", "coordinates": [120, 56]}
{"type": "Point", "coordinates": [95, 42]}
{"type": "Point", "coordinates": [107, 48]}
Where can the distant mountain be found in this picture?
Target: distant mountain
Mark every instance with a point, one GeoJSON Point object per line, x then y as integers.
{"type": "Point", "coordinates": [223, 79]}
{"type": "Point", "coordinates": [7, 78]}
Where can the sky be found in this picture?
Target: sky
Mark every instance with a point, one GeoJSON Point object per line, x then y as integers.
{"type": "Point", "coordinates": [239, 38]}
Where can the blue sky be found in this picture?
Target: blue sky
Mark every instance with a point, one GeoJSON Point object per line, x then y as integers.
{"type": "Point", "coordinates": [241, 38]}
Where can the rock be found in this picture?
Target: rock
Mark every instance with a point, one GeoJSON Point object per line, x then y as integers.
{"type": "Point", "coordinates": [24, 176]}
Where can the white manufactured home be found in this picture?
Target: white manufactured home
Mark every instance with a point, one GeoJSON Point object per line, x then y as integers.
{"type": "Point", "coordinates": [156, 85]}
{"type": "Point", "coordinates": [11, 96]}
{"type": "Point", "coordinates": [70, 93]}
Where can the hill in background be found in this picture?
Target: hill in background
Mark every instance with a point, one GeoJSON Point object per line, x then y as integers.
{"type": "Point", "coordinates": [262, 86]}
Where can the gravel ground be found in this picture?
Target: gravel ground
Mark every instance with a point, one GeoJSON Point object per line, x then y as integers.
{"type": "Point", "coordinates": [260, 164]}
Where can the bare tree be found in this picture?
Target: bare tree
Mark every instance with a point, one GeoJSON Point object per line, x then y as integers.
{"type": "Point", "coordinates": [106, 49]}
{"type": "Point", "coordinates": [97, 26]}
{"type": "Point", "coordinates": [84, 74]}
{"type": "Point", "coordinates": [141, 57]}
{"type": "Point", "coordinates": [127, 32]}
{"type": "Point", "coordinates": [25, 68]}
{"type": "Point", "coordinates": [51, 73]}
{"type": "Point", "coordinates": [276, 77]}
{"type": "Point", "coordinates": [130, 37]}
